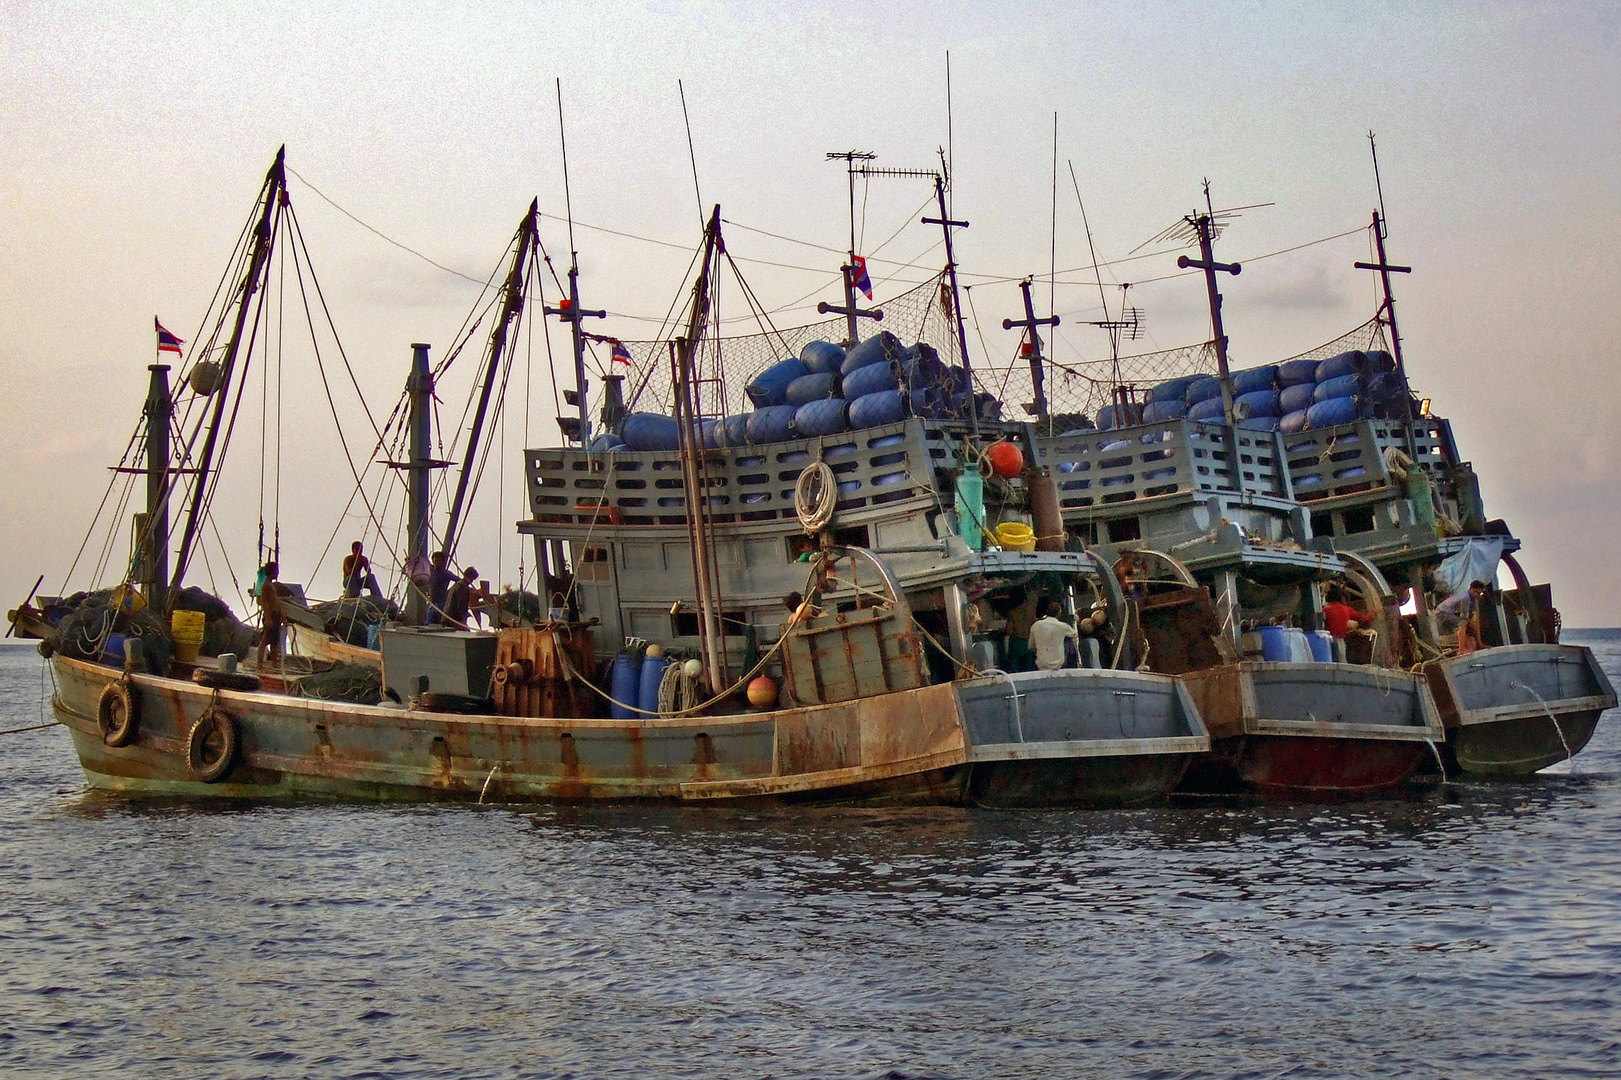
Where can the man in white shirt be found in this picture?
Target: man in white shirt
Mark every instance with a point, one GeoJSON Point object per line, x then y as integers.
{"type": "Point", "coordinates": [1047, 638]}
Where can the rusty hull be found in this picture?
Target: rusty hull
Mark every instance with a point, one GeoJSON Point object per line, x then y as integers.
{"type": "Point", "coordinates": [1315, 731]}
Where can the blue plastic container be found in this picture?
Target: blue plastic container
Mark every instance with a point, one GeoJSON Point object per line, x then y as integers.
{"type": "Point", "coordinates": [1293, 423]}
{"type": "Point", "coordinates": [827, 416]}
{"type": "Point", "coordinates": [1275, 643]}
{"type": "Point", "coordinates": [1322, 646]}
{"type": "Point", "coordinates": [871, 410]}
{"type": "Point", "coordinates": [1207, 410]}
{"type": "Point", "coordinates": [730, 431]}
{"type": "Point", "coordinates": [1157, 412]}
{"type": "Point", "coordinates": [770, 387]}
{"type": "Point", "coordinates": [650, 431]}
{"type": "Point", "coordinates": [1340, 410]}
{"type": "Point", "coordinates": [990, 409]}
{"type": "Point", "coordinates": [928, 402]}
{"type": "Point", "coordinates": [1203, 388]}
{"type": "Point", "coordinates": [652, 675]}
{"type": "Point", "coordinates": [604, 443]}
{"type": "Point", "coordinates": [625, 684]}
{"type": "Point", "coordinates": [1345, 363]}
{"type": "Point", "coordinates": [1295, 372]}
{"type": "Point", "coordinates": [881, 346]}
{"type": "Point", "coordinates": [772, 424]}
{"type": "Point", "coordinates": [1112, 416]}
{"type": "Point", "coordinates": [1257, 403]}
{"type": "Point", "coordinates": [1297, 397]}
{"type": "Point", "coordinates": [1259, 423]}
{"type": "Point", "coordinates": [1379, 361]}
{"type": "Point", "coordinates": [1173, 389]}
{"type": "Point", "coordinates": [813, 387]}
{"type": "Point", "coordinates": [1250, 380]}
{"type": "Point", "coordinates": [870, 380]}
{"type": "Point", "coordinates": [1340, 386]}
{"type": "Point", "coordinates": [821, 357]}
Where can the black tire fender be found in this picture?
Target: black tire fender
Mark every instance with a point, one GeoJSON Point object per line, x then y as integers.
{"type": "Point", "coordinates": [213, 744]}
{"type": "Point", "coordinates": [117, 714]}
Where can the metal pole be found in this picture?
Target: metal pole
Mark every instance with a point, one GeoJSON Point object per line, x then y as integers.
{"type": "Point", "coordinates": [946, 225]}
{"type": "Point", "coordinates": [159, 409]}
{"type": "Point", "coordinates": [419, 387]}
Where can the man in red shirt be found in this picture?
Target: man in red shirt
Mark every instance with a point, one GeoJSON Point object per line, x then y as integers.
{"type": "Point", "coordinates": [1338, 614]}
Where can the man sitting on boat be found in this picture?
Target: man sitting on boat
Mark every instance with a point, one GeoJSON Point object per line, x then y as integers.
{"type": "Point", "coordinates": [357, 573]}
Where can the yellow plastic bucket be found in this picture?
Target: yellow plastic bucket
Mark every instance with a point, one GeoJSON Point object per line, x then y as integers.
{"type": "Point", "coordinates": [186, 627]}
{"type": "Point", "coordinates": [1015, 536]}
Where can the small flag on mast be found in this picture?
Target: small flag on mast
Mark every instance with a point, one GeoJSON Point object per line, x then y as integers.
{"type": "Point", "coordinates": [167, 342]}
{"type": "Point", "coordinates": [618, 353]}
{"type": "Point", "coordinates": [858, 276]}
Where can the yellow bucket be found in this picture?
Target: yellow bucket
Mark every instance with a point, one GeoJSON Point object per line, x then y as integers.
{"type": "Point", "coordinates": [1015, 536]}
{"type": "Point", "coordinates": [186, 627]}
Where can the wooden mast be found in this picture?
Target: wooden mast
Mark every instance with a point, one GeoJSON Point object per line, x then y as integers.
{"type": "Point", "coordinates": [1205, 225]}
{"type": "Point", "coordinates": [274, 195]}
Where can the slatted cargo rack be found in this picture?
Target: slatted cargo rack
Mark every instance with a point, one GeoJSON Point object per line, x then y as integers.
{"type": "Point", "coordinates": [879, 470]}
{"type": "Point", "coordinates": [1153, 466]}
{"type": "Point", "coordinates": [1348, 459]}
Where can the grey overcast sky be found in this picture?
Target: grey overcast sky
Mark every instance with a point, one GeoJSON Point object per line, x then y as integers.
{"type": "Point", "coordinates": [136, 136]}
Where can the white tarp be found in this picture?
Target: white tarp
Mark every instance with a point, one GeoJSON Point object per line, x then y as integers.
{"type": "Point", "coordinates": [1475, 561]}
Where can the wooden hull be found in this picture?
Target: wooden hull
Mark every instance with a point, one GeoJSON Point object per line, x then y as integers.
{"type": "Point", "coordinates": [1514, 709]}
{"type": "Point", "coordinates": [320, 645]}
{"type": "Point", "coordinates": [1311, 731]}
{"type": "Point", "coordinates": [911, 747]}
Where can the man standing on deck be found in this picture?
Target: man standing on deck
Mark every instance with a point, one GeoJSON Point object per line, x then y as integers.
{"type": "Point", "coordinates": [270, 594]}
{"type": "Point", "coordinates": [1048, 635]}
{"type": "Point", "coordinates": [459, 600]}
{"type": "Point", "coordinates": [440, 579]}
{"type": "Point", "coordinates": [1338, 615]}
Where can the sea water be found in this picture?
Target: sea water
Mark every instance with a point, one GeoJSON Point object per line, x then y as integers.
{"type": "Point", "coordinates": [1458, 930]}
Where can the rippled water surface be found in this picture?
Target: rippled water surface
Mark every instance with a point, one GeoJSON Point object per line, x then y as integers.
{"type": "Point", "coordinates": [1470, 930]}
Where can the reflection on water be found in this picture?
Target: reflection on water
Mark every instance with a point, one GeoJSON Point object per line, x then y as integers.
{"type": "Point", "coordinates": [1460, 929]}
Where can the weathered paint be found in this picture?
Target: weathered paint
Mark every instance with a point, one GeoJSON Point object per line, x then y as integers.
{"type": "Point", "coordinates": [1311, 730]}
{"type": "Point", "coordinates": [1500, 705]}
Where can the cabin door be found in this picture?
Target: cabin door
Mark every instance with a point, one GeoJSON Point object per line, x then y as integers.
{"type": "Point", "coordinates": [596, 583]}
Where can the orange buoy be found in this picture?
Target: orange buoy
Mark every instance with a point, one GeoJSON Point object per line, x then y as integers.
{"type": "Point", "coordinates": [763, 692]}
{"type": "Point", "coordinates": [1006, 459]}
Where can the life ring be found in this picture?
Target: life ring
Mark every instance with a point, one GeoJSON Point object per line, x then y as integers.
{"type": "Point", "coordinates": [212, 745]}
{"type": "Point", "coordinates": [116, 714]}
{"type": "Point", "coordinates": [215, 679]}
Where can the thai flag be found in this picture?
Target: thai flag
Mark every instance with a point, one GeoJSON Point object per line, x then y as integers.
{"type": "Point", "coordinates": [167, 342]}
{"type": "Point", "coordinates": [858, 276]}
{"type": "Point", "coordinates": [618, 353]}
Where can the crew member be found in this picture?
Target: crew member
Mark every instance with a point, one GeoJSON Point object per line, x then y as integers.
{"type": "Point", "coordinates": [1463, 612]}
{"type": "Point", "coordinates": [1341, 617]}
{"type": "Point", "coordinates": [357, 573]}
{"type": "Point", "coordinates": [270, 594]}
{"type": "Point", "coordinates": [1048, 635]}
{"type": "Point", "coordinates": [440, 579]}
{"type": "Point", "coordinates": [459, 599]}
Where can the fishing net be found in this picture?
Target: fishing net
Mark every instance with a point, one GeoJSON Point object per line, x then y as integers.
{"type": "Point", "coordinates": [359, 683]}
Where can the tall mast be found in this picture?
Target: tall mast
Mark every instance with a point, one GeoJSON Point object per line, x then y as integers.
{"type": "Point", "coordinates": [849, 310]}
{"type": "Point", "coordinates": [946, 225]}
{"type": "Point", "coordinates": [159, 409]}
{"type": "Point", "coordinates": [419, 390]}
{"type": "Point", "coordinates": [1032, 349]}
{"type": "Point", "coordinates": [274, 195]}
{"type": "Point", "coordinates": [1205, 225]}
{"type": "Point", "coordinates": [711, 632]}
{"type": "Point", "coordinates": [1387, 307]}
{"type": "Point", "coordinates": [511, 308]}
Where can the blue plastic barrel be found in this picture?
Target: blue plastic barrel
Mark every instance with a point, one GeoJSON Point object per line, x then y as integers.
{"type": "Point", "coordinates": [734, 430]}
{"type": "Point", "coordinates": [822, 357]}
{"type": "Point", "coordinates": [1295, 372]}
{"type": "Point", "coordinates": [1340, 410]}
{"type": "Point", "coordinates": [870, 380]}
{"type": "Point", "coordinates": [881, 346]}
{"type": "Point", "coordinates": [1345, 363]}
{"type": "Point", "coordinates": [604, 443]}
{"type": "Point", "coordinates": [826, 416]}
{"type": "Point", "coordinates": [927, 402]}
{"type": "Point", "coordinates": [1340, 386]}
{"type": "Point", "coordinates": [871, 410]}
{"type": "Point", "coordinates": [1322, 646]}
{"type": "Point", "coordinates": [1379, 361]}
{"type": "Point", "coordinates": [1157, 411]}
{"type": "Point", "coordinates": [1297, 397]}
{"type": "Point", "coordinates": [1293, 423]}
{"type": "Point", "coordinates": [812, 387]}
{"type": "Point", "coordinates": [1207, 410]}
{"type": "Point", "coordinates": [1257, 403]}
{"type": "Point", "coordinates": [1274, 643]}
{"type": "Point", "coordinates": [652, 675]}
{"type": "Point", "coordinates": [1259, 423]}
{"type": "Point", "coordinates": [624, 684]}
{"type": "Point", "coordinates": [770, 387]}
{"type": "Point", "coordinates": [1203, 388]}
{"type": "Point", "coordinates": [1173, 389]}
{"type": "Point", "coordinates": [649, 431]}
{"type": "Point", "coordinates": [772, 424]}
{"type": "Point", "coordinates": [990, 408]}
{"type": "Point", "coordinates": [1252, 379]}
